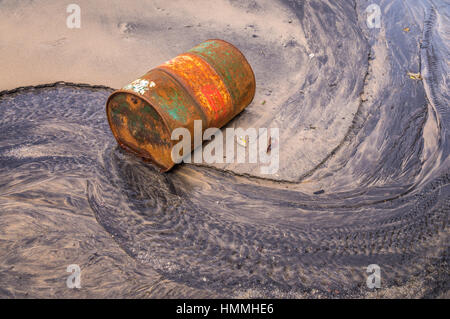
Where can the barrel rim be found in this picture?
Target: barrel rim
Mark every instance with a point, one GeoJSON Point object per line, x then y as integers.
{"type": "Point", "coordinates": [148, 157]}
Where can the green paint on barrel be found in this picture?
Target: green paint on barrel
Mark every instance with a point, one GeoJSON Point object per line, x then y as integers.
{"type": "Point", "coordinates": [173, 105]}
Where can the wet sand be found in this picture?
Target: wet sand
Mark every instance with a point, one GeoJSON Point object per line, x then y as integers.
{"type": "Point", "coordinates": [353, 125]}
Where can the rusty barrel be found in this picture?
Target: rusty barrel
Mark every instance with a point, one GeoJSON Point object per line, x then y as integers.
{"type": "Point", "coordinates": [212, 82]}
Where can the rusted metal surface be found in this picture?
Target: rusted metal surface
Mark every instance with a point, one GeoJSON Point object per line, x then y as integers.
{"type": "Point", "coordinates": [212, 82]}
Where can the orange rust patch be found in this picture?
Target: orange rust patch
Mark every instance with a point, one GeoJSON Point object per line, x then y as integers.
{"type": "Point", "coordinates": [133, 102]}
{"type": "Point", "coordinates": [207, 86]}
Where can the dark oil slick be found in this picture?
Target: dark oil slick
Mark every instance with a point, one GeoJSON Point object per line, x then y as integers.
{"type": "Point", "coordinates": [70, 195]}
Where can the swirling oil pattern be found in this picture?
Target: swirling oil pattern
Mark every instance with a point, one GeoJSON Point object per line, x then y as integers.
{"type": "Point", "coordinates": [375, 190]}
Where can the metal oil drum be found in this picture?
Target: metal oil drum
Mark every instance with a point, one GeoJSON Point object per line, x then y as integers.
{"type": "Point", "coordinates": [212, 82]}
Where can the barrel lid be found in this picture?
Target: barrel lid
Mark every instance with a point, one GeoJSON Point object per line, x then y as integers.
{"type": "Point", "coordinates": [139, 128]}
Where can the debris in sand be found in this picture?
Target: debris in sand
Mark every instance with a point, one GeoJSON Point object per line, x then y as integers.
{"type": "Point", "coordinates": [406, 29]}
{"type": "Point", "coordinates": [319, 192]}
{"type": "Point", "coordinates": [272, 143]}
{"type": "Point", "coordinates": [242, 140]}
{"type": "Point", "coordinates": [415, 76]}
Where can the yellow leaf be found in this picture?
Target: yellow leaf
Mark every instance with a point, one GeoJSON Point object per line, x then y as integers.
{"type": "Point", "coordinates": [415, 76]}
